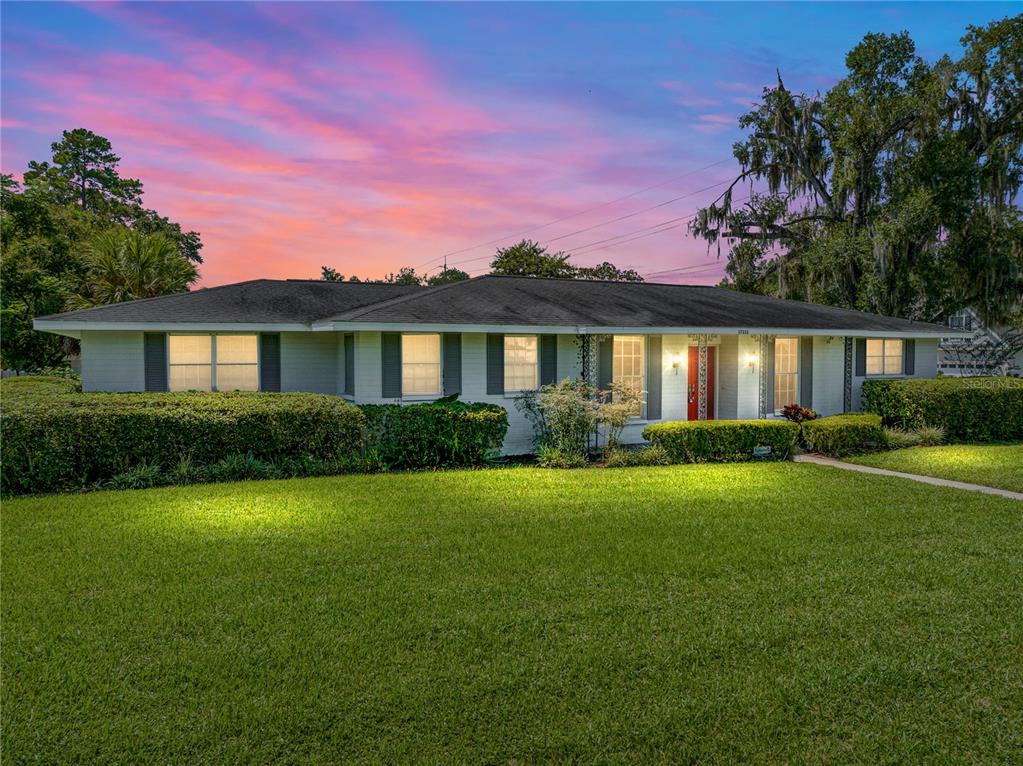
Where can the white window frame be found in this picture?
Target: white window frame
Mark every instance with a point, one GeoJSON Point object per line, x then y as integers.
{"type": "Point", "coordinates": [794, 374]}
{"type": "Point", "coordinates": [642, 365]}
{"type": "Point", "coordinates": [536, 365]}
{"type": "Point", "coordinates": [405, 394]}
{"type": "Point", "coordinates": [213, 357]}
{"type": "Point", "coordinates": [884, 357]}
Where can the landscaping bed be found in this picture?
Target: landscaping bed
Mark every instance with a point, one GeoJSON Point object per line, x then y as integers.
{"type": "Point", "coordinates": [745, 613]}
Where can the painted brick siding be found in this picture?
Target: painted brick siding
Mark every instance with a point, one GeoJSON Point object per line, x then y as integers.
{"type": "Point", "coordinates": [112, 360]}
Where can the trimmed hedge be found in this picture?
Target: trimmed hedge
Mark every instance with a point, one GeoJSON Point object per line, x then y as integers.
{"type": "Point", "coordinates": [838, 435]}
{"type": "Point", "coordinates": [72, 440]}
{"type": "Point", "coordinates": [433, 435]}
{"type": "Point", "coordinates": [699, 441]}
{"type": "Point", "coordinates": [967, 409]}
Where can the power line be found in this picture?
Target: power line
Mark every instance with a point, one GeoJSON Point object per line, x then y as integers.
{"type": "Point", "coordinates": [577, 213]}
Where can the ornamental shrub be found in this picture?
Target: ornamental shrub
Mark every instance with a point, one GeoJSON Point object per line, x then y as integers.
{"type": "Point", "coordinates": [699, 441]}
{"type": "Point", "coordinates": [644, 456]}
{"type": "Point", "coordinates": [838, 435]}
{"type": "Point", "coordinates": [433, 435]}
{"type": "Point", "coordinates": [65, 441]}
{"type": "Point", "coordinates": [968, 409]}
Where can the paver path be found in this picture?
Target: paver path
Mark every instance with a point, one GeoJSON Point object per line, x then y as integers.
{"type": "Point", "coordinates": [914, 476]}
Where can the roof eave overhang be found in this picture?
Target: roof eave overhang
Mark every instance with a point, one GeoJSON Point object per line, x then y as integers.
{"type": "Point", "coordinates": [349, 326]}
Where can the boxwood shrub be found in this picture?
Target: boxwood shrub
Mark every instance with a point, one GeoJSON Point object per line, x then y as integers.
{"type": "Point", "coordinates": [72, 440]}
{"type": "Point", "coordinates": [838, 435]}
{"type": "Point", "coordinates": [699, 441]}
{"type": "Point", "coordinates": [433, 435]}
{"type": "Point", "coordinates": [967, 409]}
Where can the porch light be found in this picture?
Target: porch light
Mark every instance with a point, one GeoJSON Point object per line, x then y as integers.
{"type": "Point", "coordinates": [676, 362]}
{"type": "Point", "coordinates": [751, 361]}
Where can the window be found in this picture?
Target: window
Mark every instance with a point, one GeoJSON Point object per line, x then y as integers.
{"type": "Point", "coordinates": [194, 359]}
{"type": "Point", "coordinates": [627, 363]}
{"type": "Point", "coordinates": [420, 364]}
{"type": "Point", "coordinates": [237, 363]}
{"type": "Point", "coordinates": [786, 371]}
{"type": "Point", "coordinates": [520, 362]}
{"type": "Point", "coordinates": [884, 357]}
{"type": "Point", "coordinates": [191, 358]}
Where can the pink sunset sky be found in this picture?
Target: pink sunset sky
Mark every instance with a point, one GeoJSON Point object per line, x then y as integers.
{"type": "Point", "coordinates": [371, 137]}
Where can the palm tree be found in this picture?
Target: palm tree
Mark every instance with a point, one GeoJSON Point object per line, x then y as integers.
{"type": "Point", "coordinates": [124, 265]}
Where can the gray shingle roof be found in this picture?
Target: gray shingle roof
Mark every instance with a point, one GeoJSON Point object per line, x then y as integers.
{"type": "Point", "coordinates": [260, 300]}
{"type": "Point", "coordinates": [492, 300]}
{"type": "Point", "coordinates": [497, 300]}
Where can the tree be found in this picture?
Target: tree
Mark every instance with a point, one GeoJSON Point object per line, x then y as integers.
{"type": "Point", "coordinates": [124, 264]}
{"type": "Point", "coordinates": [531, 259]}
{"type": "Point", "coordinates": [607, 272]}
{"type": "Point", "coordinates": [406, 276]}
{"type": "Point", "coordinates": [83, 172]}
{"type": "Point", "coordinates": [894, 192]}
{"type": "Point", "coordinates": [446, 276]}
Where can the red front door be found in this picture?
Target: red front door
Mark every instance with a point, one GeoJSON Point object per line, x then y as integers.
{"type": "Point", "coordinates": [694, 382]}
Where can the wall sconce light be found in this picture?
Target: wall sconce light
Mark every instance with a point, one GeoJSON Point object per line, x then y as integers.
{"type": "Point", "coordinates": [676, 362]}
{"type": "Point", "coordinates": [751, 361]}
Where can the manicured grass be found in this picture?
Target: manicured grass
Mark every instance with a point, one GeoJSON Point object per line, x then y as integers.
{"type": "Point", "coordinates": [994, 465]}
{"type": "Point", "coordinates": [720, 614]}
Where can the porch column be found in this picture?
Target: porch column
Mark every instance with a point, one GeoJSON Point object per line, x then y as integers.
{"type": "Point", "coordinates": [762, 394]}
{"type": "Point", "coordinates": [847, 376]}
{"type": "Point", "coordinates": [701, 382]}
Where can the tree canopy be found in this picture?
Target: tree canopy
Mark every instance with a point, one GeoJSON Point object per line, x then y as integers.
{"type": "Point", "coordinates": [895, 192]}
{"type": "Point", "coordinates": [46, 227]}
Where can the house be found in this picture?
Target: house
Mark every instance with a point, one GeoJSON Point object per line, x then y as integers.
{"type": "Point", "coordinates": [697, 352]}
{"type": "Point", "coordinates": [987, 351]}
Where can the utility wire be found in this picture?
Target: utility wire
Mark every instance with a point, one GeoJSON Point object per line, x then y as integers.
{"type": "Point", "coordinates": [576, 214]}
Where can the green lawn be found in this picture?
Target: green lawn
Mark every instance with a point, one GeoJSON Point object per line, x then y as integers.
{"type": "Point", "coordinates": [998, 465]}
{"type": "Point", "coordinates": [720, 614]}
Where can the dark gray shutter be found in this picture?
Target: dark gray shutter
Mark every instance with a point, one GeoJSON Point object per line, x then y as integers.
{"type": "Point", "coordinates": [155, 360]}
{"type": "Point", "coordinates": [908, 356]}
{"type": "Point", "coordinates": [861, 357]}
{"type": "Point", "coordinates": [653, 377]}
{"type": "Point", "coordinates": [605, 362]}
{"type": "Point", "coordinates": [269, 361]}
{"type": "Point", "coordinates": [495, 365]}
{"type": "Point", "coordinates": [452, 351]}
{"type": "Point", "coordinates": [390, 365]}
{"type": "Point", "coordinates": [349, 364]}
{"type": "Point", "coordinates": [548, 359]}
{"type": "Point", "coordinates": [769, 362]}
{"type": "Point", "coordinates": [806, 372]}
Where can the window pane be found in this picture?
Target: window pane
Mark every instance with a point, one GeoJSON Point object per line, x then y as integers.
{"type": "Point", "coordinates": [420, 364]}
{"type": "Point", "coordinates": [520, 362]}
{"type": "Point", "coordinates": [893, 357]}
{"type": "Point", "coordinates": [236, 377]}
{"type": "Point", "coordinates": [786, 375]}
{"type": "Point", "coordinates": [875, 356]}
{"type": "Point", "coordinates": [237, 349]}
{"type": "Point", "coordinates": [190, 349]}
{"type": "Point", "coordinates": [627, 365]}
{"type": "Point", "coordinates": [189, 377]}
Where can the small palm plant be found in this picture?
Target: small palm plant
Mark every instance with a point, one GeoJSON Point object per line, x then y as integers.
{"type": "Point", "coordinates": [124, 265]}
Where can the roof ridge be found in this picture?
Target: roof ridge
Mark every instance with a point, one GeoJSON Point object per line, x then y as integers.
{"type": "Point", "coordinates": [356, 313]}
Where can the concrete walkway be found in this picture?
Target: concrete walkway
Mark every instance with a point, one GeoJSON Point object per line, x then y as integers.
{"type": "Point", "coordinates": [818, 460]}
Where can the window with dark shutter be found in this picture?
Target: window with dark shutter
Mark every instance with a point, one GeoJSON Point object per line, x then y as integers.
{"type": "Point", "coordinates": [653, 377]}
{"type": "Point", "coordinates": [269, 361]}
{"type": "Point", "coordinates": [452, 366]}
{"type": "Point", "coordinates": [155, 361]}
{"type": "Point", "coordinates": [495, 365]}
{"type": "Point", "coordinates": [390, 365]}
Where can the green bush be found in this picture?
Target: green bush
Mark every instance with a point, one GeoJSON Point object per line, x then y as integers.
{"type": "Point", "coordinates": [699, 441]}
{"type": "Point", "coordinates": [930, 436]}
{"type": "Point", "coordinates": [433, 435]}
{"type": "Point", "coordinates": [626, 458]}
{"type": "Point", "coordinates": [967, 409]}
{"type": "Point", "coordinates": [897, 438]}
{"type": "Point", "coordinates": [38, 385]}
{"type": "Point", "coordinates": [549, 456]}
{"type": "Point", "coordinates": [839, 435]}
{"type": "Point", "coordinates": [67, 441]}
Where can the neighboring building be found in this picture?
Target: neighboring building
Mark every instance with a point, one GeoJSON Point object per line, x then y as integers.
{"type": "Point", "coordinates": [697, 352]}
{"type": "Point", "coordinates": [986, 350]}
